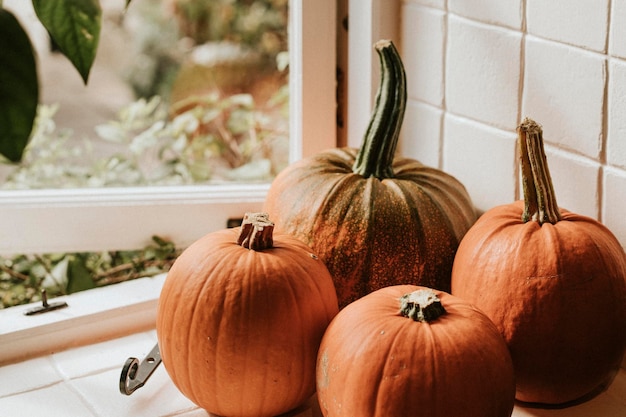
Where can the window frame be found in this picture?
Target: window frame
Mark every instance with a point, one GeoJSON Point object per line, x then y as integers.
{"type": "Point", "coordinates": [75, 220]}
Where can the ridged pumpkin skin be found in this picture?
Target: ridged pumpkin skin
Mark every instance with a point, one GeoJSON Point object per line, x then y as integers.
{"type": "Point", "coordinates": [239, 329]}
{"type": "Point", "coordinates": [375, 219]}
{"type": "Point", "coordinates": [373, 233]}
{"type": "Point", "coordinates": [553, 282]}
{"type": "Point", "coordinates": [556, 292]}
{"type": "Point", "coordinates": [374, 362]}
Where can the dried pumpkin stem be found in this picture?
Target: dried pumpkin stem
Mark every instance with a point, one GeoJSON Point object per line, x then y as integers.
{"type": "Point", "coordinates": [381, 138]}
{"type": "Point", "coordinates": [256, 232]}
{"type": "Point", "coordinates": [539, 197]}
{"type": "Point", "coordinates": [421, 305]}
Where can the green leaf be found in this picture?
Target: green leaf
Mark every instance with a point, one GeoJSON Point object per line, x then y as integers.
{"type": "Point", "coordinates": [75, 27]}
{"type": "Point", "coordinates": [78, 275]}
{"type": "Point", "coordinates": [19, 88]}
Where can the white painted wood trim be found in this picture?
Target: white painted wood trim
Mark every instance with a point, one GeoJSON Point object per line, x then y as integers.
{"type": "Point", "coordinates": [313, 63]}
{"type": "Point", "coordinates": [89, 220]}
{"type": "Point", "coordinates": [91, 316]}
{"type": "Point", "coordinates": [43, 221]}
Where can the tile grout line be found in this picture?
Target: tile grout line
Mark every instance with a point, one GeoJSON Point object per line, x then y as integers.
{"type": "Point", "coordinates": [39, 387]}
{"type": "Point", "coordinates": [67, 380]}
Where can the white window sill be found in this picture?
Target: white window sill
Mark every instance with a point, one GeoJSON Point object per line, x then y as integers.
{"type": "Point", "coordinates": [91, 316]}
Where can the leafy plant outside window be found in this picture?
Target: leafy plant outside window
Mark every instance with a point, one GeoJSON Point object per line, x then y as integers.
{"type": "Point", "coordinates": [217, 139]}
{"type": "Point", "coordinates": [22, 277]}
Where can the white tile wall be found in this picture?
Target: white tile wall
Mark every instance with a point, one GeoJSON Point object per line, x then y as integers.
{"type": "Point", "coordinates": [560, 62]}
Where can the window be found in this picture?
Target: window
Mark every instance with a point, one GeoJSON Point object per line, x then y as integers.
{"type": "Point", "coordinates": [41, 221]}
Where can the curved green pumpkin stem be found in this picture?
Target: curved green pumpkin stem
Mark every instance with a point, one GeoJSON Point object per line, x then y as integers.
{"type": "Point", "coordinates": [381, 138]}
{"type": "Point", "coordinates": [421, 305]}
{"type": "Point", "coordinates": [257, 232]}
{"type": "Point", "coordinates": [539, 197]}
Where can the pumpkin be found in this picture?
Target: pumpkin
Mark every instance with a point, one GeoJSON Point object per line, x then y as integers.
{"type": "Point", "coordinates": [408, 350]}
{"type": "Point", "coordinates": [373, 218]}
{"type": "Point", "coordinates": [553, 282]}
{"type": "Point", "coordinates": [240, 319]}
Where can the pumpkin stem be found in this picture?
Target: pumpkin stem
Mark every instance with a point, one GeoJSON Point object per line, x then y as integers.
{"type": "Point", "coordinates": [421, 305]}
{"type": "Point", "coordinates": [381, 138]}
{"type": "Point", "coordinates": [256, 232]}
{"type": "Point", "coordinates": [539, 197]}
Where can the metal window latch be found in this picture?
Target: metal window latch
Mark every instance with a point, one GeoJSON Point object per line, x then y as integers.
{"type": "Point", "coordinates": [45, 305]}
{"type": "Point", "coordinates": [135, 374]}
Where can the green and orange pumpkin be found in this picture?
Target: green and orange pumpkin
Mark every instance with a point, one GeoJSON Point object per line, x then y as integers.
{"type": "Point", "coordinates": [374, 218]}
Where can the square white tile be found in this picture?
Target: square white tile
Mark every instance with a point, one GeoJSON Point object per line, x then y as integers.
{"type": "Point", "coordinates": [582, 23]}
{"type": "Point", "coordinates": [159, 397]}
{"type": "Point", "coordinates": [575, 180]}
{"type": "Point", "coordinates": [617, 31]}
{"type": "Point", "coordinates": [102, 356]}
{"type": "Point", "coordinates": [483, 72]}
{"type": "Point", "coordinates": [564, 92]}
{"type": "Point", "coordinates": [421, 133]}
{"type": "Point", "coordinates": [423, 39]}
{"type": "Point", "coordinates": [614, 196]}
{"type": "Point", "coordinates": [505, 13]}
{"type": "Point", "coordinates": [28, 375]}
{"type": "Point", "coordinates": [483, 159]}
{"type": "Point", "coordinates": [616, 120]}
{"type": "Point", "coordinates": [57, 400]}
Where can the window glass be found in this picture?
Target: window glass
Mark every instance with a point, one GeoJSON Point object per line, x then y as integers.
{"type": "Point", "coordinates": [108, 218]}
{"type": "Point", "coordinates": [181, 92]}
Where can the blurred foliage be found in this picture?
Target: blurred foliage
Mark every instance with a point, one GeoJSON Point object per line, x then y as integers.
{"type": "Point", "coordinates": [22, 277]}
{"type": "Point", "coordinates": [211, 140]}
{"type": "Point", "coordinates": [258, 24]}
{"type": "Point", "coordinates": [166, 32]}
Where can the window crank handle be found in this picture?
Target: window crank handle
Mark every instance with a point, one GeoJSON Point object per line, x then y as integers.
{"type": "Point", "coordinates": [135, 374]}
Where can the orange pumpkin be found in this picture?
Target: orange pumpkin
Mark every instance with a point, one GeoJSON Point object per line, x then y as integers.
{"type": "Point", "coordinates": [240, 319]}
{"type": "Point", "coordinates": [373, 218]}
{"type": "Point", "coordinates": [412, 351]}
{"type": "Point", "coordinates": [553, 282]}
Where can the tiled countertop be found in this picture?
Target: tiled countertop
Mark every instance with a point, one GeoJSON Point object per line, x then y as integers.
{"type": "Point", "coordinates": [83, 382]}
